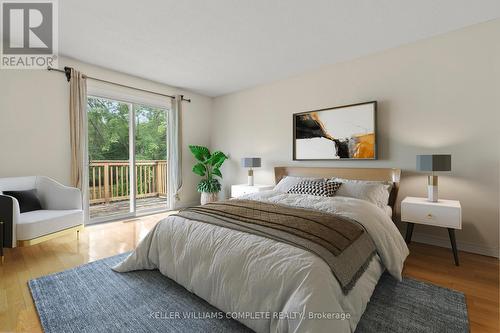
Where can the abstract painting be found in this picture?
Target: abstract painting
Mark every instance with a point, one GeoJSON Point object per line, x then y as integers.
{"type": "Point", "coordinates": [343, 132]}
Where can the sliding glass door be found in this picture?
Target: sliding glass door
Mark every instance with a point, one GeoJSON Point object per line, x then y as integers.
{"type": "Point", "coordinates": [150, 158]}
{"type": "Point", "coordinates": [127, 159]}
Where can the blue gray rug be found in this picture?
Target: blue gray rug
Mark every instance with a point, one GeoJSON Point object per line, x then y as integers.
{"type": "Point", "coordinates": [413, 307]}
{"type": "Point", "coordinates": [93, 298]}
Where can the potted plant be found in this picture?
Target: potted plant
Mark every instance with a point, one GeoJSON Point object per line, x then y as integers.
{"type": "Point", "coordinates": [208, 166]}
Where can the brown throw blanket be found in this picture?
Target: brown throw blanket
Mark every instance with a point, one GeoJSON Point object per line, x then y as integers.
{"type": "Point", "coordinates": [341, 242]}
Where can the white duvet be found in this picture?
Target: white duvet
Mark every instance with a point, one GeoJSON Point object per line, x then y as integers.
{"type": "Point", "coordinates": [270, 286]}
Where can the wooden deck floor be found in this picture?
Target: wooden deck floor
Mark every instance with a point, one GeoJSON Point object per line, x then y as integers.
{"type": "Point", "coordinates": [123, 207]}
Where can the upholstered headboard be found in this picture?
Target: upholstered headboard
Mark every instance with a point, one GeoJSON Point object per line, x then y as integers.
{"type": "Point", "coordinates": [381, 174]}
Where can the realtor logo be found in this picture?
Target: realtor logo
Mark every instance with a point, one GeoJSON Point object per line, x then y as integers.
{"type": "Point", "coordinates": [29, 34]}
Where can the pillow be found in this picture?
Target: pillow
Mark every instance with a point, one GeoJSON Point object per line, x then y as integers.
{"type": "Point", "coordinates": [28, 201]}
{"type": "Point", "coordinates": [388, 184]}
{"type": "Point", "coordinates": [374, 192]}
{"type": "Point", "coordinates": [288, 182]}
{"type": "Point", "coordinates": [319, 188]}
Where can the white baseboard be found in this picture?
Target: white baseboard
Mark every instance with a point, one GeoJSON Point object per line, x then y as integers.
{"type": "Point", "coordinates": [462, 246]}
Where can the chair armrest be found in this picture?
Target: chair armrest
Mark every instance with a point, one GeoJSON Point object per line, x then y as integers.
{"type": "Point", "coordinates": [56, 196]}
{"type": "Point", "coordinates": [9, 215]}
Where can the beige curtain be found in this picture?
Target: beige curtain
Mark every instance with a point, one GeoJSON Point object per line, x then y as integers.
{"type": "Point", "coordinates": [78, 133]}
{"type": "Point", "coordinates": [174, 145]}
{"type": "Point", "coordinates": [77, 120]}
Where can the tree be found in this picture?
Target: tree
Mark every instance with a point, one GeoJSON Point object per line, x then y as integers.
{"type": "Point", "coordinates": [108, 131]}
{"type": "Point", "coordinates": [151, 133]}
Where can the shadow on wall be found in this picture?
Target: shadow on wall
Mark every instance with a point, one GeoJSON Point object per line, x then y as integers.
{"type": "Point", "coordinates": [383, 117]}
{"type": "Point", "coordinates": [230, 168]}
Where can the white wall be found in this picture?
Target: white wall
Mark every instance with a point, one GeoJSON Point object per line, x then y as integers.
{"type": "Point", "coordinates": [34, 122]}
{"type": "Point", "coordinates": [439, 95]}
{"type": "Point", "coordinates": [435, 95]}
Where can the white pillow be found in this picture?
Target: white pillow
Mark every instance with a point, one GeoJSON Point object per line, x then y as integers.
{"type": "Point", "coordinates": [288, 182]}
{"type": "Point", "coordinates": [371, 191]}
{"type": "Point", "coordinates": [388, 184]}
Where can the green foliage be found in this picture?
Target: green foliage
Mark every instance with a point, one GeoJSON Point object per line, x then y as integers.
{"type": "Point", "coordinates": [108, 130]}
{"type": "Point", "coordinates": [200, 153]}
{"type": "Point", "coordinates": [208, 166]}
{"type": "Point", "coordinates": [217, 172]}
{"type": "Point", "coordinates": [209, 185]}
{"type": "Point", "coordinates": [217, 159]}
{"type": "Point", "coordinates": [200, 169]}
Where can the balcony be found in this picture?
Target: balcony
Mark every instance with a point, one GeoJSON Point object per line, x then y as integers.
{"type": "Point", "coordinates": [109, 190]}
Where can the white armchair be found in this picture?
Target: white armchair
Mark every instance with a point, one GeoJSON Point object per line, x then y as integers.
{"type": "Point", "coordinates": [61, 211]}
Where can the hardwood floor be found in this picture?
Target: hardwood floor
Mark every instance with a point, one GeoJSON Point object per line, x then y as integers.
{"type": "Point", "coordinates": [477, 276]}
{"type": "Point", "coordinates": [17, 311]}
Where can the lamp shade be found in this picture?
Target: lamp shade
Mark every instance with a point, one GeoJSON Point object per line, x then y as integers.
{"type": "Point", "coordinates": [250, 162]}
{"type": "Point", "coordinates": [434, 162]}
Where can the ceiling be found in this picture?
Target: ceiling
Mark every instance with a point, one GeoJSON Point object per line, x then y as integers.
{"type": "Point", "coordinates": [221, 46]}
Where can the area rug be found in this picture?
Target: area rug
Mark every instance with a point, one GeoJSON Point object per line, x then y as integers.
{"type": "Point", "coordinates": [414, 307]}
{"type": "Point", "coordinates": [93, 298]}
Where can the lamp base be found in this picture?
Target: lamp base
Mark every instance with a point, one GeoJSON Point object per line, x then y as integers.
{"type": "Point", "coordinates": [250, 177]}
{"type": "Point", "coordinates": [432, 189]}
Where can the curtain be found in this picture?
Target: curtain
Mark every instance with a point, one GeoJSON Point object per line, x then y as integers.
{"type": "Point", "coordinates": [174, 146]}
{"type": "Point", "coordinates": [78, 134]}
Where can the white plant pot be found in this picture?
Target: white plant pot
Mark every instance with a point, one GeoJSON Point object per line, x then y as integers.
{"type": "Point", "coordinates": [208, 197]}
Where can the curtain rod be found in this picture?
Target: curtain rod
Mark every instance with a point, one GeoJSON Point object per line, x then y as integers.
{"type": "Point", "coordinates": [67, 72]}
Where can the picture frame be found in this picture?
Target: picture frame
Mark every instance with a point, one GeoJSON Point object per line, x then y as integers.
{"type": "Point", "coordinates": [347, 132]}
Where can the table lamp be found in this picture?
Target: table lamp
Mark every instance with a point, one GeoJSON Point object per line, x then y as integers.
{"type": "Point", "coordinates": [433, 163]}
{"type": "Point", "coordinates": [250, 162]}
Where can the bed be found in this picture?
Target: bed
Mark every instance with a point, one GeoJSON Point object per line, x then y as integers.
{"type": "Point", "coordinates": [273, 286]}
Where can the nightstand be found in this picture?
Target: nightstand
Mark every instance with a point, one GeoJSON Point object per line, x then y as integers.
{"type": "Point", "coordinates": [241, 189]}
{"type": "Point", "coordinates": [444, 213]}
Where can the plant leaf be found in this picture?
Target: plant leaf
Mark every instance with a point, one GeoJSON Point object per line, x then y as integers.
{"type": "Point", "coordinates": [200, 153]}
{"type": "Point", "coordinates": [217, 159]}
{"type": "Point", "coordinates": [216, 172]}
{"type": "Point", "coordinates": [199, 169]}
{"type": "Point", "coordinates": [210, 186]}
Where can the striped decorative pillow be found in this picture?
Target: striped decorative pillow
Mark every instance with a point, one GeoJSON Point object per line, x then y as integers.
{"type": "Point", "coordinates": [314, 187]}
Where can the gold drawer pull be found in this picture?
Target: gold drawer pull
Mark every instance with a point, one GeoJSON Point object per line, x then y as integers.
{"type": "Point", "coordinates": [429, 216]}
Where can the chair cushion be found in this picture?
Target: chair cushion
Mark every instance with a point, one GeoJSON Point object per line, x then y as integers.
{"type": "Point", "coordinates": [28, 200]}
{"type": "Point", "coordinates": [43, 222]}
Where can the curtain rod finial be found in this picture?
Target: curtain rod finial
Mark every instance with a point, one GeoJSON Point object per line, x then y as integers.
{"type": "Point", "coordinates": [67, 71]}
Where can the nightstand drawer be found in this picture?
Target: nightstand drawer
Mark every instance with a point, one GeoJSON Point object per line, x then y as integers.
{"type": "Point", "coordinates": [449, 217]}
{"type": "Point", "coordinates": [239, 190]}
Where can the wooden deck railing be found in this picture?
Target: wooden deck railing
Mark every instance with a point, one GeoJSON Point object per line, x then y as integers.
{"type": "Point", "coordinates": [109, 180]}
